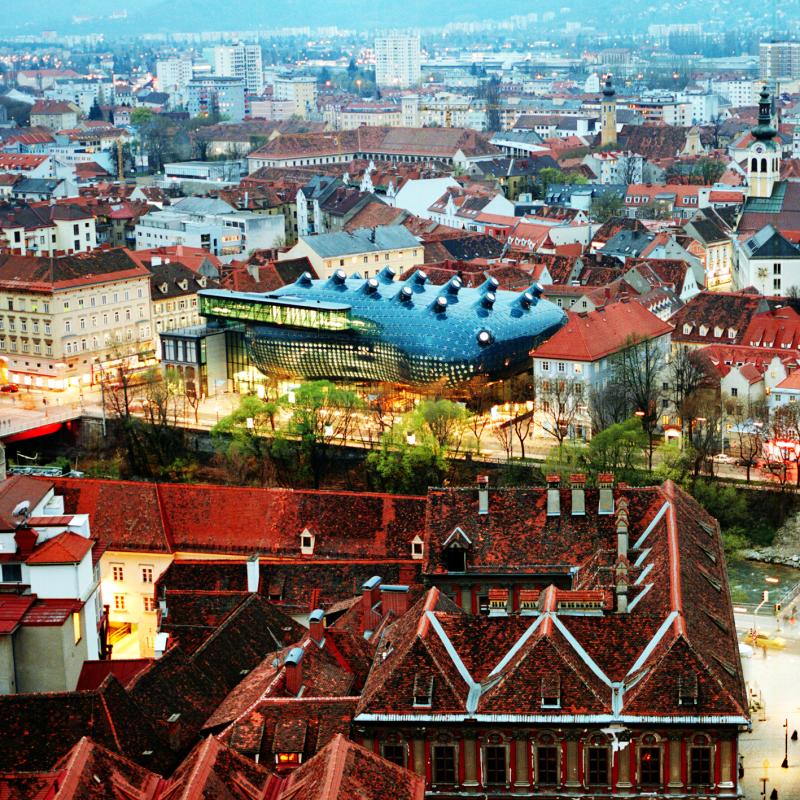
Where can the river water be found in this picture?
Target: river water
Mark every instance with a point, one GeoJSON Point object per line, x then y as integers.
{"type": "Point", "coordinates": [748, 579]}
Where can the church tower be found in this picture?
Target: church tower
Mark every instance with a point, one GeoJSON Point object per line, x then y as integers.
{"type": "Point", "coordinates": [608, 114]}
{"type": "Point", "coordinates": [764, 154]}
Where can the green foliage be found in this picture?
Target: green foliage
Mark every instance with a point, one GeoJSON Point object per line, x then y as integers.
{"type": "Point", "coordinates": [442, 420]}
{"type": "Point", "coordinates": [606, 206]}
{"type": "Point", "coordinates": [619, 449]}
{"type": "Point", "coordinates": [140, 117]}
{"type": "Point", "coordinates": [566, 460]}
{"type": "Point", "coordinates": [400, 467]}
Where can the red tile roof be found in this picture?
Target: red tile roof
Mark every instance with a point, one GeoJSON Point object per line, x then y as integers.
{"type": "Point", "coordinates": [343, 770]}
{"type": "Point", "coordinates": [13, 608]}
{"type": "Point", "coordinates": [65, 548]}
{"type": "Point", "coordinates": [16, 489]}
{"type": "Point", "coordinates": [224, 519]}
{"type": "Point", "coordinates": [592, 335]}
{"type": "Point", "coordinates": [93, 673]}
{"type": "Point", "coordinates": [48, 613]}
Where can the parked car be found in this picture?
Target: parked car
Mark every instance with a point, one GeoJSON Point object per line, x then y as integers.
{"type": "Point", "coordinates": [724, 458]}
{"type": "Point", "coordinates": [9, 388]}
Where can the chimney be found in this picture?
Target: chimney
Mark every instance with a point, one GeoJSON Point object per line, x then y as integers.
{"type": "Point", "coordinates": [394, 598]}
{"type": "Point", "coordinates": [553, 496]}
{"type": "Point", "coordinates": [622, 529]}
{"type": "Point", "coordinates": [246, 200]}
{"type": "Point", "coordinates": [605, 483]}
{"type": "Point", "coordinates": [621, 585]}
{"type": "Point", "coordinates": [483, 494]}
{"type": "Point", "coordinates": [155, 261]}
{"type": "Point", "coordinates": [293, 664]}
{"type": "Point", "coordinates": [371, 591]}
{"type": "Point", "coordinates": [316, 626]}
{"type": "Point", "coordinates": [578, 484]}
{"type": "Point", "coordinates": [253, 575]}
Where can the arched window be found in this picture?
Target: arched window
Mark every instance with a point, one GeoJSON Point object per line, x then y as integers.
{"type": "Point", "coordinates": [754, 164]}
{"type": "Point", "coordinates": [701, 760]}
{"type": "Point", "coordinates": [395, 749]}
{"type": "Point", "coordinates": [650, 758]}
{"type": "Point", "coordinates": [763, 164]}
{"type": "Point", "coordinates": [547, 760]}
{"type": "Point", "coordinates": [496, 761]}
{"type": "Point", "coordinates": [444, 761]}
{"type": "Point", "coordinates": [597, 755]}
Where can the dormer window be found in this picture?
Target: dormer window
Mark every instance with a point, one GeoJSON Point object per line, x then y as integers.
{"type": "Point", "coordinates": [687, 329]}
{"type": "Point", "coordinates": [202, 281]}
{"type": "Point", "coordinates": [731, 333]}
{"type": "Point", "coordinates": [423, 691]}
{"type": "Point", "coordinates": [417, 548]}
{"type": "Point", "coordinates": [703, 330]}
{"type": "Point", "coordinates": [687, 689]}
{"type": "Point", "coordinates": [551, 691]}
{"type": "Point", "coordinates": [183, 285]}
{"type": "Point", "coordinates": [717, 332]}
{"type": "Point", "coordinates": [454, 551]}
{"type": "Point", "coordinates": [307, 540]}
{"type": "Point", "coordinates": [163, 288]}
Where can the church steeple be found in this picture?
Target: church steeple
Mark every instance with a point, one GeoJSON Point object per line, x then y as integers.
{"type": "Point", "coordinates": [764, 131]}
{"type": "Point", "coordinates": [608, 114]}
{"type": "Point", "coordinates": [763, 155]}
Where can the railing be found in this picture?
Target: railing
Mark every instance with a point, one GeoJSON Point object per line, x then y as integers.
{"type": "Point", "coordinates": [18, 424]}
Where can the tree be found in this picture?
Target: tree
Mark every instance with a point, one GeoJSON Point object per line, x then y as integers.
{"type": "Point", "coordinates": [705, 433]}
{"type": "Point", "coordinates": [618, 449]}
{"type": "Point", "coordinates": [749, 422]}
{"type": "Point", "coordinates": [687, 372]}
{"type": "Point", "coordinates": [608, 406]}
{"type": "Point", "coordinates": [95, 112]}
{"type": "Point", "coordinates": [784, 433]}
{"type": "Point", "coordinates": [557, 402]}
{"type": "Point", "coordinates": [444, 420]}
{"type": "Point", "coordinates": [638, 370]}
{"type": "Point", "coordinates": [399, 466]}
{"type": "Point", "coordinates": [321, 412]}
{"type": "Point", "coordinates": [140, 117]}
{"type": "Point", "coordinates": [710, 170]}
{"type": "Point", "coordinates": [606, 206]}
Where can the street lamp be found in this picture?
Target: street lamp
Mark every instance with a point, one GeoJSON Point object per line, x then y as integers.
{"type": "Point", "coordinates": [764, 777]}
{"type": "Point", "coordinates": [785, 762]}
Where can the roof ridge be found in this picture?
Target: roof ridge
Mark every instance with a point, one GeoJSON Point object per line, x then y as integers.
{"type": "Point", "coordinates": [332, 781]}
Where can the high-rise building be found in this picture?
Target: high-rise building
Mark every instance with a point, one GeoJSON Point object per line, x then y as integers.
{"type": "Point", "coordinates": [299, 90]}
{"type": "Point", "coordinates": [241, 61]}
{"type": "Point", "coordinates": [173, 74]}
{"type": "Point", "coordinates": [779, 60]}
{"type": "Point", "coordinates": [216, 95]}
{"type": "Point", "coordinates": [397, 61]}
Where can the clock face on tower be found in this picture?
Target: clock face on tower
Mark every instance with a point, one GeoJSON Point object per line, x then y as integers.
{"type": "Point", "coordinates": [759, 149]}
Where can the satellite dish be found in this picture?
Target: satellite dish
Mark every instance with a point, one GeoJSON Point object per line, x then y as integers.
{"type": "Point", "coordinates": [22, 509]}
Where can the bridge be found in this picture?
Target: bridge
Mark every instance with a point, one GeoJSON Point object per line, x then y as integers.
{"type": "Point", "coordinates": [18, 423]}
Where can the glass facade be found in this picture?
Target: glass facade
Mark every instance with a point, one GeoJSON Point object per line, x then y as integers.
{"type": "Point", "coordinates": [410, 332]}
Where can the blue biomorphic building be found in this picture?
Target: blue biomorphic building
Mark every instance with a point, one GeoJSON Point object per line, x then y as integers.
{"type": "Point", "coordinates": [379, 329]}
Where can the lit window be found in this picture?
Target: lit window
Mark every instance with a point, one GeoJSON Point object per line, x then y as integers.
{"type": "Point", "coordinates": [76, 626]}
{"type": "Point", "coordinates": [148, 602]}
{"type": "Point", "coordinates": [147, 573]}
{"type": "Point", "coordinates": [119, 602]}
{"type": "Point", "coordinates": [117, 572]}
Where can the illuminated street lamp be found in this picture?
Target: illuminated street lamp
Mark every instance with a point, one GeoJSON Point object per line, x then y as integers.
{"type": "Point", "coordinates": [785, 762]}
{"type": "Point", "coordinates": [764, 777]}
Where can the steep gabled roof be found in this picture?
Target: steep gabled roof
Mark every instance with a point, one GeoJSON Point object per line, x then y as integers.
{"type": "Point", "coordinates": [343, 770]}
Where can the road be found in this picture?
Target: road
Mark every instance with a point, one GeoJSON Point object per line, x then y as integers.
{"type": "Point", "coordinates": [772, 677]}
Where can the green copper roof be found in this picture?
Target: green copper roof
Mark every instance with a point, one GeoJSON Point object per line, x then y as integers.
{"type": "Point", "coordinates": [768, 205]}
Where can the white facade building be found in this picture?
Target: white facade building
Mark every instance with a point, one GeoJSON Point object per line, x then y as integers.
{"type": "Point", "coordinates": [172, 74]}
{"type": "Point", "coordinates": [241, 61]}
{"type": "Point", "coordinates": [397, 61]}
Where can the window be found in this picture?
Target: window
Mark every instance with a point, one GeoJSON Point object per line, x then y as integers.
{"type": "Point", "coordinates": [307, 542]}
{"type": "Point", "coordinates": [597, 766]}
{"type": "Point", "coordinates": [776, 283]}
{"type": "Point", "coordinates": [562, 367]}
{"type": "Point", "coordinates": [417, 550]}
{"type": "Point", "coordinates": [423, 691]}
{"type": "Point", "coordinates": [396, 753]}
{"type": "Point", "coordinates": [650, 766]}
{"type": "Point", "coordinates": [444, 763]}
{"type": "Point", "coordinates": [545, 366]}
{"type": "Point", "coordinates": [147, 573]}
{"type": "Point", "coordinates": [11, 573]}
{"type": "Point", "coordinates": [547, 765]}
{"type": "Point", "coordinates": [117, 572]}
{"type": "Point", "coordinates": [148, 602]}
{"type": "Point", "coordinates": [495, 759]}
{"type": "Point", "coordinates": [551, 691]}
{"type": "Point", "coordinates": [119, 602]}
{"type": "Point", "coordinates": [734, 391]}
{"type": "Point", "coordinates": [776, 269]}
{"type": "Point", "coordinates": [67, 326]}
{"type": "Point", "coordinates": [76, 626]}
{"type": "Point", "coordinates": [700, 766]}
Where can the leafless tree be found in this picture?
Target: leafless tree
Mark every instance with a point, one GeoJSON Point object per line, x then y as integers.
{"type": "Point", "coordinates": [557, 401]}
{"type": "Point", "coordinates": [639, 370]}
{"type": "Point", "coordinates": [503, 433]}
{"type": "Point", "coordinates": [687, 372]}
{"type": "Point", "coordinates": [749, 422]}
